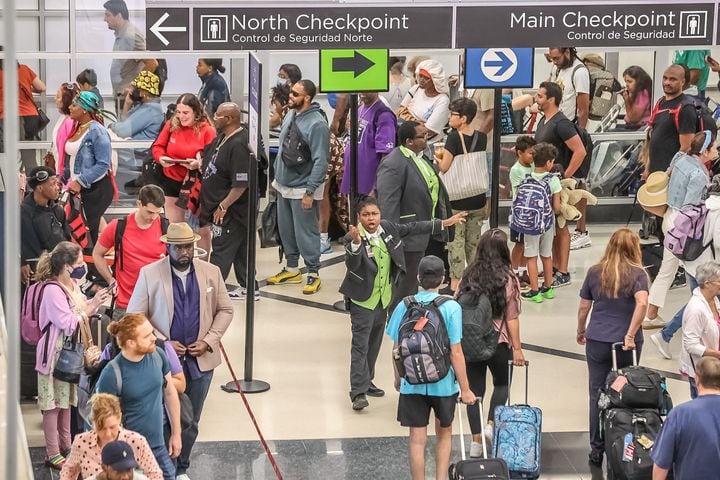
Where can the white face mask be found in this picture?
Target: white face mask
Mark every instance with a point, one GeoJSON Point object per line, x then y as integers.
{"type": "Point", "coordinates": [280, 81]}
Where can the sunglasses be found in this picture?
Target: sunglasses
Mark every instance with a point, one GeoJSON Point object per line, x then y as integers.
{"type": "Point", "coordinates": [296, 94]}
{"type": "Point", "coordinates": [70, 86]}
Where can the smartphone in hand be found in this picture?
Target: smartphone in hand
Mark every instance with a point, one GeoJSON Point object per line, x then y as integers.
{"type": "Point", "coordinates": [711, 61]}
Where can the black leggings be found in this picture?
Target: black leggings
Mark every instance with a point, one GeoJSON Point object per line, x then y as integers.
{"type": "Point", "coordinates": [95, 200]}
{"type": "Point", "coordinates": [476, 371]}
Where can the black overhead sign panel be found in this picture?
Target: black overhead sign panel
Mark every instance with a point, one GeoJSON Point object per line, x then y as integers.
{"type": "Point", "coordinates": [614, 25]}
{"type": "Point", "coordinates": [314, 28]}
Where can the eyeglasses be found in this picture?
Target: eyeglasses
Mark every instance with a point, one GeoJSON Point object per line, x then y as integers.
{"type": "Point", "coordinates": [296, 94]}
{"type": "Point", "coordinates": [216, 116]}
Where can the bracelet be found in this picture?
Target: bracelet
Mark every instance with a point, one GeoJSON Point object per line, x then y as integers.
{"type": "Point", "coordinates": [627, 335]}
{"type": "Point", "coordinates": [220, 206]}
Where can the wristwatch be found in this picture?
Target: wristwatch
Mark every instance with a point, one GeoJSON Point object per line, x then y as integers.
{"type": "Point", "coordinates": [309, 193]}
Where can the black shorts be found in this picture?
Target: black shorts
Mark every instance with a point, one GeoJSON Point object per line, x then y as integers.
{"type": "Point", "coordinates": [516, 237]}
{"type": "Point", "coordinates": [170, 187]}
{"type": "Point", "coordinates": [414, 410]}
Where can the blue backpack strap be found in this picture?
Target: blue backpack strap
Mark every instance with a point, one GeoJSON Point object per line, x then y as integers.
{"type": "Point", "coordinates": [118, 375]}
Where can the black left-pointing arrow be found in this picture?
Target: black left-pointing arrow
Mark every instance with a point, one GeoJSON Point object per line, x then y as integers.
{"type": "Point", "coordinates": [357, 64]}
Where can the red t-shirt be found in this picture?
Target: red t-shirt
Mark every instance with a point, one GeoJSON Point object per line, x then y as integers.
{"type": "Point", "coordinates": [26, 105]}
{"type": "Point", "coordinates": [140, 247]}
{"type": "Point", "coordinates": [180, 145]}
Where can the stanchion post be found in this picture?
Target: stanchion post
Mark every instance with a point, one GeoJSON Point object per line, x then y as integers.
{"type": "Point", "coordinates": [248, 384]}
{"type": "Point", "coordinates": [340, 304]}
{"type": "Point", "coordinates": [495, 176]}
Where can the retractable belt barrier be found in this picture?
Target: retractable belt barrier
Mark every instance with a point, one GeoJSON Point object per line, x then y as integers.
{"type": "Point", "coordinates": [252, 416]}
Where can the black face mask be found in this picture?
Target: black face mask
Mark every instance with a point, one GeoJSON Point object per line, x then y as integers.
{"type": "Point", "coordinates": [135, 95]}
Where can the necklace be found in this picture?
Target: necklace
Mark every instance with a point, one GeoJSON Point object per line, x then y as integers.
{"type": "Point", "coordinates": [227, 137]}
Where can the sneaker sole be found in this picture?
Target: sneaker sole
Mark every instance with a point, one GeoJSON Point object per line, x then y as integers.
{"type": "Point", "coordinates": [285, 282]}
{"type": "Point", "coordinates": [656, 342]}
{"type": "Point", "coordinates": [327, 252]}
{"type": "Point", "coordinates": [560, 285]}
{"type": "Point", "coordinates": [579, 247]}
{"type": "Point", "coordinates": [310, 293]}
{"type": "Point", "coordinates": [532, 299]}
{"type": "Point", "coordinates": [651, 326]}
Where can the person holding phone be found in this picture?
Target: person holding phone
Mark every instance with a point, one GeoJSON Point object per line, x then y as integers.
{"type": "Point", "coordinates": [714, 66]}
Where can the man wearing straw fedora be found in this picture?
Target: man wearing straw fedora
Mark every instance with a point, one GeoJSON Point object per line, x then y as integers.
{"type": "Point", "coordinates": [187, 303]}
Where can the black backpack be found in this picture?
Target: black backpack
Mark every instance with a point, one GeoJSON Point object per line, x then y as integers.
{"type": "Point", "coordinates": [617, 424]}
{"type": "Point", "coordinates": [423, 354]}
{"type": "Point", "coordinates": [584, 169]}
{"type": "Point", "coordinates": [480, 338]}
{"type": "Point", "coordinates": [120, 231]}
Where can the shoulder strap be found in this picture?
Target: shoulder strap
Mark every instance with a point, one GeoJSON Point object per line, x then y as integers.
{"type": "Point", "coordinates": [476, 136]}
{"type": "Point", "coordinates": [119, 232]}
{"type": "Point", "coordinates": [164, 224]}
{"type": "Point", "coordinates": [157, 359]}
{"type": "Point", "coordinates": [410, 299]}
{"type": "Point", "coordinates": [439, 300]}
{"type": "Point", "coordinates": [118, 375]}
{"type": "Point", "coordinates": [572, 75]}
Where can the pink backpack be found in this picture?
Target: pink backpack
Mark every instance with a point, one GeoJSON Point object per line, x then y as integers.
{"type": "Point", "coordinates": [30, 312]}
{"type": "Point", "coordinates": [685, 237]}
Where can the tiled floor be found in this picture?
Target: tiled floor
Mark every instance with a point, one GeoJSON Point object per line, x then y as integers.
{"type": "Point", "coordinates": [302, 349]}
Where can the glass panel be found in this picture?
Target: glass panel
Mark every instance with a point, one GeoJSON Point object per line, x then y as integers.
{"type": "Point", "coordinates": [26, 4]}
{"type": "Point", "coordinates": [57, 34]}
{"type": "Point", "coordinates": [57, 5]}
{"type": "Point", "coordinates": [26, 34]}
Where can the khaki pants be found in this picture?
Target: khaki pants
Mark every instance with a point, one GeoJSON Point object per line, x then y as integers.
{"type": "Point", "coordinates": [462, 249]}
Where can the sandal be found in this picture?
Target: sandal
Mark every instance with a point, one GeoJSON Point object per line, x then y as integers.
{"type": "Point", "coordinates": [55, 462]}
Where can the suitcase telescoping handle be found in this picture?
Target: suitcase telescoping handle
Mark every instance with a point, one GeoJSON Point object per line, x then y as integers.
{"type": "Point", "coordinates": [479, 402]}
{"type": "Point", "coordinates": [527, 375]}
{"type": "Point", "coordinates": [615, 347]}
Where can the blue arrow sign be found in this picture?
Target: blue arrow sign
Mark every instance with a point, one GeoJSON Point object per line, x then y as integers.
{"type": "Point", "coordinates": [499, 67]}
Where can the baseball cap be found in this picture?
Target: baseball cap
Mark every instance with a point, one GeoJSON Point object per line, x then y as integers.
{"type": "Point", "coordinates": [119, 456]}
{"type": "Point", "coordinates": [431, 267]}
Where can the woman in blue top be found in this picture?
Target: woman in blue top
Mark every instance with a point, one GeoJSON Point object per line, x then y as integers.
{"type": "Point", "coordinates": [690, 172]}
{"type": "Point", "coordinates": [214, 89]}
{"type": "Point", "coordinates": [88, 160]}
{"type": "Point", "coordinates": [616, 289]}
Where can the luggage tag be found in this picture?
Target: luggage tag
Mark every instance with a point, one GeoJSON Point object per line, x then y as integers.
{"type": "Point", "coordinates": [645, 441]}
{"type": "Point", "coordinates": [629, 448]}
{"type": "Point", "coordinates": [619, 383]}
{"type": "Point", "coordinates": [420, 324]}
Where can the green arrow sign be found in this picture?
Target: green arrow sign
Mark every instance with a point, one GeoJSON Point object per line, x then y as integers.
{"type": "Point", "coordinates": [352, 71]}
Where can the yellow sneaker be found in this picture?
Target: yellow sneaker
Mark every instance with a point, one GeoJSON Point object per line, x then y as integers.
{"type": "Point", "coordinates": [312, 285]}
{"type": "Point", "coordinates": [285, 277]}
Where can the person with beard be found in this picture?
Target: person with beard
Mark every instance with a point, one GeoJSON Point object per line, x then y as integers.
{"type": "Point", "coordinates": [146, 383]}
{"type": "Point", "coordinates": [300, 168]}
{"type": "Point", "coordinates": [557, 130]}
{"type": "Point", "coordinates": [193, 314]}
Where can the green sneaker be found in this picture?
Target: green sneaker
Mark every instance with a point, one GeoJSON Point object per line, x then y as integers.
{"type": "Point", "coordinates": [532, 296]}
{"type": "Point", "coordinates": [548, 292]}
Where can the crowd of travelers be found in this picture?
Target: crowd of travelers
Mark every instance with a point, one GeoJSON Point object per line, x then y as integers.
{"type": "Point", "coordinates": [122, 389]}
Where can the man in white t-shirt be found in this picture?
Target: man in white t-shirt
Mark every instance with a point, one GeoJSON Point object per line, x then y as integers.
{"type": "Point", "coordinates": [573, 77]}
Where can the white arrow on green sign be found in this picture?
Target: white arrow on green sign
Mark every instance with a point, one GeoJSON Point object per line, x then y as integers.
{"type": "Point", "coordinates": [354, 70]}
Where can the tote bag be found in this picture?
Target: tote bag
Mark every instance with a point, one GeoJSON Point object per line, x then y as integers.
{"type": "Point", "coordinates": [467, 175]}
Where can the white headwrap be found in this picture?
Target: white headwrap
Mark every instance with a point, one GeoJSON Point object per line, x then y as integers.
{"type": "Point", "coordinates": [437, 72]}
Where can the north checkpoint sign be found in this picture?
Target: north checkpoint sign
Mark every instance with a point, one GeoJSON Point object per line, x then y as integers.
{"type": "Point", "coordinates": [354, 70]}
{"type": "Point", "coordinates": [499, 67]}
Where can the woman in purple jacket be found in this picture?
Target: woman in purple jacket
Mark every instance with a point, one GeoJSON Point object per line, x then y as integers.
{"type": "Point", "coordinates": [62, 307]}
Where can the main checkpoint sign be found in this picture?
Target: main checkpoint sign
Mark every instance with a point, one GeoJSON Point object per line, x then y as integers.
{"type": "Point", "coordinates": [354, 70]}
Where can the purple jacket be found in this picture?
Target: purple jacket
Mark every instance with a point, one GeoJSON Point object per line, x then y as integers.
{"type": "Point", "coordinates": [57, 311]}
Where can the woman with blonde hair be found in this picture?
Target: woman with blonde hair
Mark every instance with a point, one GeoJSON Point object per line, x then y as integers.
{"type": "Point", "coordinates": [85, 459]}
{"type": "Point", "coordinates": [616, 288]}
{"type": "Point", "coordinates": [62, 308]}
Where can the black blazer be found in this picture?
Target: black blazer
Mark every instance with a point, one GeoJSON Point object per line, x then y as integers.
{"type": "Point", "coordinates": [404, 197]}
{"type": "Point", "coordinates": [361, 269]}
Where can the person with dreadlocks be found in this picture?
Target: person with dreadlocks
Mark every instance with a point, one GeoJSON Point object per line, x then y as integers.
{"type": "Point", "coordinates": [88, 160]}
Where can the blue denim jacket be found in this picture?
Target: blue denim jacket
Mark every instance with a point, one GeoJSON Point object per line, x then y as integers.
{"type": "Point", "coordinates": [688, 181]}
{"type": "Point", "coordinates": [93, 157]}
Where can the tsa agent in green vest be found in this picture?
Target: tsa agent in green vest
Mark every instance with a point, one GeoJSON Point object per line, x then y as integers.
{"type": "Point", "coordinates": [375, 263]}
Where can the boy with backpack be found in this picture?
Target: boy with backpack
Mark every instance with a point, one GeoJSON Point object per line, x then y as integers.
{"type": "Point", "coordinates": [522, 168]}
{"type": "Point", "coordinates": [428, 379]}
{"type": "Point", "coordinates": [533, 209]}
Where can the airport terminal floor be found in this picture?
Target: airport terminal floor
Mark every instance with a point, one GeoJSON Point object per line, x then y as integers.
{"type": "Point", "coordinates": [302, 348]}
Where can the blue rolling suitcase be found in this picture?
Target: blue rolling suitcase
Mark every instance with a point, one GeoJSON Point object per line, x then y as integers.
{"type": "Point", "coordinates": [477, 468]}
{"type": "Point", "coordinates": [516, 439]}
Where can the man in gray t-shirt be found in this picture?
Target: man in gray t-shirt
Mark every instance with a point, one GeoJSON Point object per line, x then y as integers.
{"type": "Point", "coordinates": [127, 38]}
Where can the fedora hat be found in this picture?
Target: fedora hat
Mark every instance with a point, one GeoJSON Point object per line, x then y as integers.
{"type": "Point", "coordinates": [655, 191]}
{"type": "Point", "coordinates": [179, 234]}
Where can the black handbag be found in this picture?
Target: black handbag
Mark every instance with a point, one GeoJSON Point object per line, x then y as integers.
{"type": "Point", "coordinates": [268, 229]}
{"type": "Point", "coordinates": [70, 364]}
{"type": "Point", "coordinates": [43, 119]}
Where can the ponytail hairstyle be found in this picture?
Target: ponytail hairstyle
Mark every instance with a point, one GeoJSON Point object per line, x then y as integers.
{"type": "Point", "coordinates": [125, 328]}
{"type": "Point", "coordinates": [51, 264]}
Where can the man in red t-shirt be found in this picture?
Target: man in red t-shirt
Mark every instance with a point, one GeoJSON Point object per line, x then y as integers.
{"type": "Point", "coordinates": [140, 245]}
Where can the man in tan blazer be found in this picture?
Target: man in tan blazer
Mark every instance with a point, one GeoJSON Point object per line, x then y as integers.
{"type": "Point", "coordinates": [188, 304]}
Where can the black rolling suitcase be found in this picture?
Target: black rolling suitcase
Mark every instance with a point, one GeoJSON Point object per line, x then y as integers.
{"type": "Point", "coordinates": [477, 468]}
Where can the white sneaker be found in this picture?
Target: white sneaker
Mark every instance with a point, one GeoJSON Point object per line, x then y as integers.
{"type": "Point", "coordinates": [476, 450]}
{"type": "Point", "coordinates": [656, 322]}
{"type": "Point", "coordinates": [325, 247]}
{"type": "Point", "coordinates": [182, 477]}
{"type": "Point", "coordinates": [488, 432]}
{"type": "Point", "coordinates": [662, 346]}
{"type": "Point", "coordinates": [580, 240]}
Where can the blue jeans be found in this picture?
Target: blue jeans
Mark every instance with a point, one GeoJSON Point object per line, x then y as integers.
{"type": "Point", "coordinates": [669, 330]}
{"type": "Point", "coordinates": [197, 390]}
{"type": "Point", "coordinates": [166, 464]}
{"type": "Point", "coordinates": [693, 388]}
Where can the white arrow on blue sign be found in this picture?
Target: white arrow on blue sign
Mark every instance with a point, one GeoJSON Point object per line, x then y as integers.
{"type": "Point", "coordinates": [499, 67]}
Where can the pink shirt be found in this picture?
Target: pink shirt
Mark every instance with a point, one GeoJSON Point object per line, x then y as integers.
{"type": "Point", "coordinates": [59, 313]}
{"type": "Point", "coordinates": [85, 457]}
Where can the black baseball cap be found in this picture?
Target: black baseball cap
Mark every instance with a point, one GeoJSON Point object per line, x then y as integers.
{"type": "Point", "coordinates": [119, 456]}
{"type": "Point", "coordinates": [431, 267]}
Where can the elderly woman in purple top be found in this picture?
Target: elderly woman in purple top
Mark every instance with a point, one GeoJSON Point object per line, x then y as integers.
{"type": "Point", "coordinates": [377, 127]}
{"type": "Point", "coordinates": [62, 307]}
